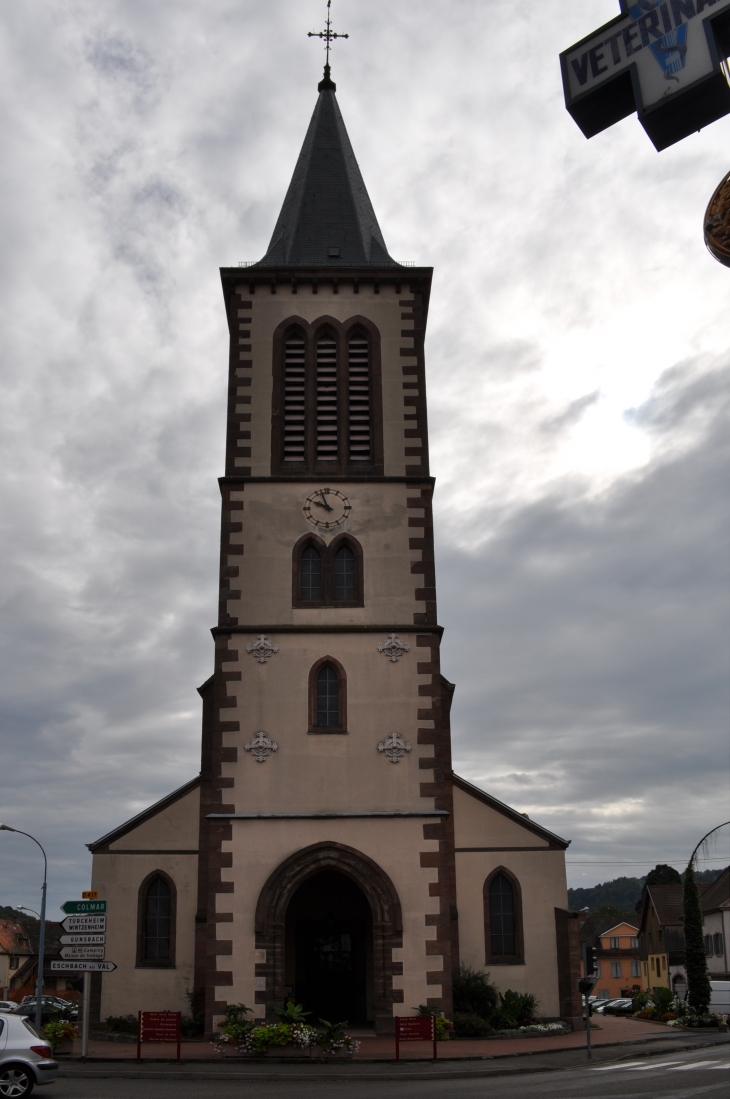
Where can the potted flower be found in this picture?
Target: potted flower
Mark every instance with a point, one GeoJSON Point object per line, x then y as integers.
{"type": "Point", "coordinates": [61, 1034]}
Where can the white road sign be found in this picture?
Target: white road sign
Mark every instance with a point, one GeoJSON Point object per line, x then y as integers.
{"type": "Point", "coordinates": [82, 940]}
{"type": "Point", "coordinates": [85, 953]}
{"type": "Point", "coordinates": [83, 967]}
{"type": "Point", "coordinates": [84, 923]}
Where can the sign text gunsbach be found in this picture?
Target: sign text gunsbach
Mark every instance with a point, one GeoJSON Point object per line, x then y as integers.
{"type": "Point", "coordinates": [661, 58]}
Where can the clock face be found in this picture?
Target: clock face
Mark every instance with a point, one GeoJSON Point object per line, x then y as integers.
{"type": "Point", "coordinates": [327, 508]}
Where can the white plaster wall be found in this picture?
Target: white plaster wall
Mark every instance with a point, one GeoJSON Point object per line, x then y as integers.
{"type": "Point", "coordinates": [272, 523]}
{"type": "Point", "coordinates": [117, 878]}
{"type": "Point", "coordinates": [326, 772]}
{"type": "Point", "coordinates": [258, 847]}
{"type": "Point", "coordinates": [541, 875]}
{"type": "Point", "coordinates": [383, 310]}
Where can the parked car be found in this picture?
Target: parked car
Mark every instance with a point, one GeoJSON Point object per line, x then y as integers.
{"type": "Point", "coordinates": [620, 1006]}
{"type": "Point", "coordinates": [25, 1059]}
{"type": "Point", "coordinates": [7, 1005]}
{"type": "Point", "coordinates": [52, 1007]}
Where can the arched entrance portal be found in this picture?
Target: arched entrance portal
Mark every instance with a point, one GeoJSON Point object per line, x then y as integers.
{"type": "Point", "coordinates": [328, 949]}
{"type": "Point", "coordinates": [291, 916]}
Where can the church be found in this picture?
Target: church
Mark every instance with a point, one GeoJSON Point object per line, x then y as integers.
{"type": "Point", "coordinates": [327, 851]}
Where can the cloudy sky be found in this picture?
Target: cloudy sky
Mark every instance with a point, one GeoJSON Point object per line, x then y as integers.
{"type": "Point", "coordinates": [578, 387]}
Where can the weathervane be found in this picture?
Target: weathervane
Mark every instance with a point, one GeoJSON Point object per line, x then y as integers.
{"type": "Point", "coordinates": [329, 36]}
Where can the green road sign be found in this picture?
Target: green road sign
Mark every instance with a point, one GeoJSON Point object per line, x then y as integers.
{"type": "Point", "coordinates": [84, 906]}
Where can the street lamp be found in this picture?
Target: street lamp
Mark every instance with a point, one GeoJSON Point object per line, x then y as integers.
{"type": "Point", "coordinates": [42, 937]}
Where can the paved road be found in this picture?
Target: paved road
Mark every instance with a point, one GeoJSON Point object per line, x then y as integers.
{"type": "Point", "coordinates": [703, 1073]}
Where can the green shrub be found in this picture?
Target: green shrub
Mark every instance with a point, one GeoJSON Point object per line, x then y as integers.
{"type": "Point", "coordinates": [292, 1013]}
{"type": "Point", "coordinates": [58, 1030]}
{"type": "Point", "coordinates": [474, 994]}
{"type": "Point", "coordinates": [235, 1026]}
{"type": "Point", "coordinates": [443, 1025]}
{"type": "Point", "coordinates": [122, 1024]}
{"type": "Point", "coordinates": [520, 1006]}
{"type": "Point", "coordinates": [662, 999]}
{"type": "Point", "coordinates": [468, 1025]}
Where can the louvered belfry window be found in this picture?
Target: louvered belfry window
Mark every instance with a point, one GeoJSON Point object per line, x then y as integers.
{"type": "Point", "coordinates": [327, 448]}
{"type": "Point", "coordinates": [358, 393]}
{"type": "Point", "coordinates": [294, 400]}
{"type": "Point", "coordinates": [329, 401]}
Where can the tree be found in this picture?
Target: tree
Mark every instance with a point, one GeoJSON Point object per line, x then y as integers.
{"type": "Point", "coordinates": [662, 874]}
{"type": "Point", "coordinates": [698, 980]}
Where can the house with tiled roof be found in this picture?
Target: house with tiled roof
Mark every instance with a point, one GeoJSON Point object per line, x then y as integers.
{"type": "Point", "coordinates": [661, 937]}
{"type": "Point", "coordinates": [716, 920]}
{"type": "Point", "coordinates": [15, 949]}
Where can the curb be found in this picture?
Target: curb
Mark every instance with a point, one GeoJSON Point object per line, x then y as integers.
{"type": "Point", "coordinates": [424, 1074]}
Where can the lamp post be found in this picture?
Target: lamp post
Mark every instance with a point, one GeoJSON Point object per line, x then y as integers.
{"type": "Point", "coordinates": [42, 936]}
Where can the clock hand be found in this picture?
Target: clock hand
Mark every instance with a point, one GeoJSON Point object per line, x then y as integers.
{"type": "Point", "coordinates": [317, 504]}
{"type": "Point", "coordinates": [324, 503]}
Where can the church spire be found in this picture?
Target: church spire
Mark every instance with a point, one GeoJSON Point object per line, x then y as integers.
{"type": "Point", "coordinates": [327, 219]}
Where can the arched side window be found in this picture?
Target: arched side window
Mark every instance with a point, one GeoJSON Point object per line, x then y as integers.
{"type": "Point", "coordinates": [327, 575]}
{"type": "Point", "coordinates": [156, 911]}
{"type": "Point", "coordinates": [359, 427]}
{"type": "Point", "coordinates": [327, 697]}
{"type": "Point", "coordinates": [504, 942]}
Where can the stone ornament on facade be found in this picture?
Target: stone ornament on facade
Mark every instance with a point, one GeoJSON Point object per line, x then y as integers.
{"type": "Point", "coordinates": [393, 647]}
{"type": "Point", "coordinates": [394, 747]}
{"type": "Point", "coordinates": [262, 648]}
{"type": "Point", "coordinates": [261, 746]}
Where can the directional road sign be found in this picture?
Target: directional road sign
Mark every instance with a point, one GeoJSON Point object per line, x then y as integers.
{"type": "Point", "coordinates": [83, 967]}
{"type": "Point", "coordinates": [84, 953]}
{"type": "Point", "coordinates": [84, 923]}
{"type": "Point", "coordinates": [77, 907]}
{"type": "Point", "coordinates": [83, 940]}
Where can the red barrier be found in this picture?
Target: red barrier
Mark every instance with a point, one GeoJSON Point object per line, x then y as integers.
{"type": "Point", "coordinates": [415, 1028]}
{"type": "Point", "coordinates": [158, 1026]}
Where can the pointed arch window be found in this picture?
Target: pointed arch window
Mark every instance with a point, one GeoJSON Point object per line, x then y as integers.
{"type": "Point", "coordinates": [345, 575]}
{"type": "Point", "coordinates": [327, 697]}
{"type": "Point", "coordinates": [327, 575]}
{"type": "Point", "coordinates": [310, 584]}
{"type": "Point", "coordinates": [358, 398]}
{"type": "Point", "coordinates": [327, 400]}
{"type": "Point", "coordinates": [295, 436]}
{"type": "Point", "coordinates": [156, 921]}
{"type": "Point", "coordinates": [503, 919]}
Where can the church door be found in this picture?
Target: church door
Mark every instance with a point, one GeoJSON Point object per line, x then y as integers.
{"type": "Point", "coordinates": [329, 949]}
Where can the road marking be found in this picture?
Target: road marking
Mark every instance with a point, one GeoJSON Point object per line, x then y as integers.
{"type": "Point", "coordinates": [612, 1068]}
{"type": "Point", "coordinates": [691, 1065]}
{"type": "Point", "coordinates": [726, 1065]}
{"type": "Point", "coordinates": [657, 1064]}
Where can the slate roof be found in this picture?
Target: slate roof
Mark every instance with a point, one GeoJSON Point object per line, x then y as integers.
{"type": "Point", "coordinates": [717, 893]}
{"type": "Point", "coordinates": [327, 208]}
{"type": "Point", "coordinates": [668, 902]}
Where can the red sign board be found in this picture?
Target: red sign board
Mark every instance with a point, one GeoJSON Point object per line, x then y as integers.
{"type": "Point", "coordinates": [415, 1028]}
{"type": "Point", "coordinates": [158, 1026]}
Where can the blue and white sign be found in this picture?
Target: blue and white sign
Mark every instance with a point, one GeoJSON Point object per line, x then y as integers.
{"type": "Point", "coordinates": [664, 59]}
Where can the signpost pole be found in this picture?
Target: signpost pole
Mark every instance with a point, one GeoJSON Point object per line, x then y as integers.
{"type": "Point", "coordinates": [435, 1048]}
{"type": "Point", "coordinates": [397, 1039]}
{"type": "Point", "coordinates": [179, 1028]}
{"type": "Point", "coordinates": [139, 1035]}
{"type": "Point", "coordinates": [85, 1017]}
{"type": "Point", "coordinates": [589, 1053]}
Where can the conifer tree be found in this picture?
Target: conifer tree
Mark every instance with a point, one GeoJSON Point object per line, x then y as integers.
{"type": "Point", "coordinates": [698, 981]}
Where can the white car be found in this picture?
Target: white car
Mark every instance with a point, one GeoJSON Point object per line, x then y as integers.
{"type": "Point", "coordinates": [7, 1005]}
{"type": "Point", "coordinates": [25, 1059]}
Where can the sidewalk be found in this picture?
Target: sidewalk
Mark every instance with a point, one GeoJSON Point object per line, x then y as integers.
{"type": "Point", "coordinates": [376, 1056]}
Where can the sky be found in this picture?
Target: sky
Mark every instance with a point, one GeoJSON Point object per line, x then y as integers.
{"type": "Point", "coordinates": [577, 366]}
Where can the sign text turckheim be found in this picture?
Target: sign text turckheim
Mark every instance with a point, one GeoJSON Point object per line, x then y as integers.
{"type": "Point", "coordinates": [662, 58]}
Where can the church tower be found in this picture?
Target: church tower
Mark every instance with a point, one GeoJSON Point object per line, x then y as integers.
{"type": "Point", "coordinates": [326, 751]}
{"type": "Point", "coordinates": [327, 852]}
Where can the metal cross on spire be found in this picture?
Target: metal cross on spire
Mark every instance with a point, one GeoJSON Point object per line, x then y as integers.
{"type": "Point", "coordinates": [329, 36]}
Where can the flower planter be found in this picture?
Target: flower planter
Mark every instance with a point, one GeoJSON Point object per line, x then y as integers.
{"type": "Point", "coordinates": [64, 1046]}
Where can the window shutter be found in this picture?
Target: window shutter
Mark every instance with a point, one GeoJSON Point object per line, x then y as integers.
{"type": "Point", "coordinates": [358, 382]}
{"type": "Point", "coordinates": [326, 400]}
{"type": "Point", "coordinates": [294, 400]}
